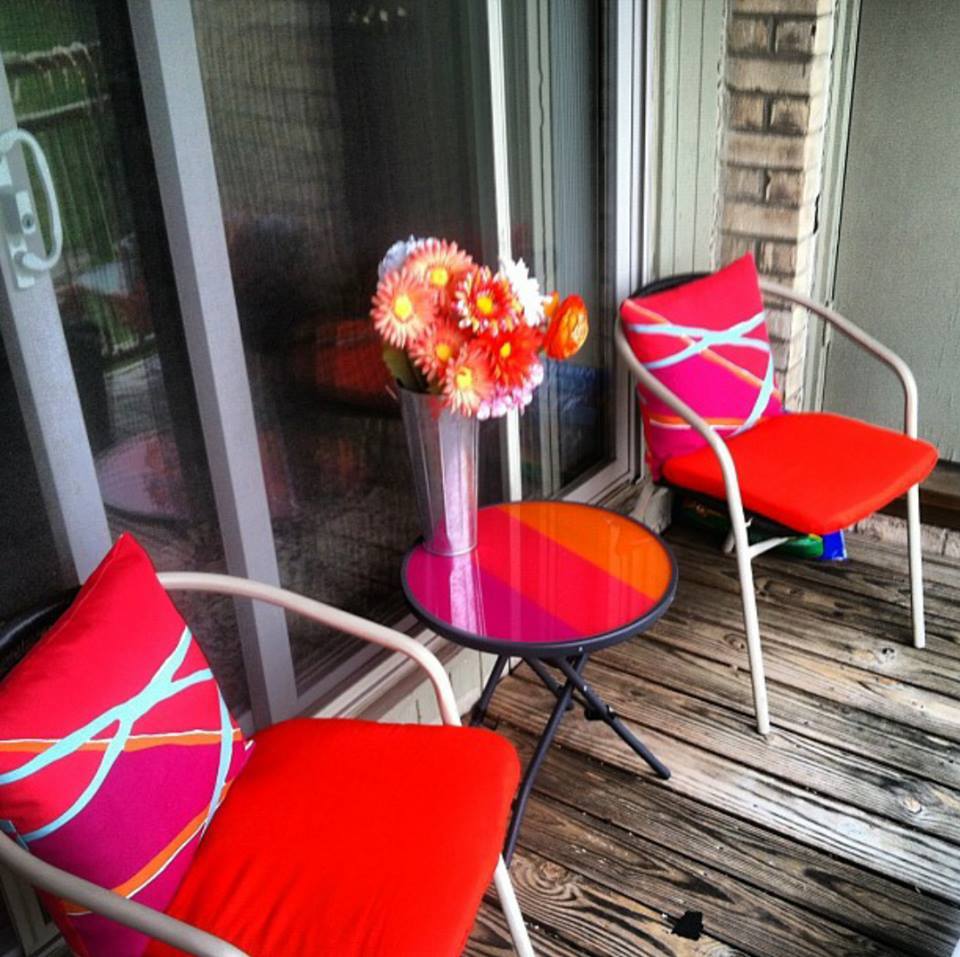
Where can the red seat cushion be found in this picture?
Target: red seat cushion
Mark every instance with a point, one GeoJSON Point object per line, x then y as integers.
{"type": "Point", "coordinates": [812, 471]}
{"type": "Point", "coordinates": [353, 838]}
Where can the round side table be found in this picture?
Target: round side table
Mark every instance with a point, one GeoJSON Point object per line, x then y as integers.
{"type": "Point", "coordinates": [551, 583]}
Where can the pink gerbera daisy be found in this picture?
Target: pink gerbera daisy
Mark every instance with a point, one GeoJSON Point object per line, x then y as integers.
{"type": "Point", "coordinates": [486, 302]}
{"type": "Point", "coordinates": [468, 382]}
{"type": "Point", "coordinates": [435, 349]}
{"type": "Point", "coordinates": [403, 308]}
{"type": "Point", "coordinates": [440, 264]}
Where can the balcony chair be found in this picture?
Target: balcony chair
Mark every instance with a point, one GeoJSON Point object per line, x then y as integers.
{"type": "Point", "coordinates": [766, 474]}
{"type": "Point", "coordinates": [423, 881]}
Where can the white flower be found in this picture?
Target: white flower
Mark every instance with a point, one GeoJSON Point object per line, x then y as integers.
{"type": "Point", "coordinates": [397, 255]}
{"type": "Point", "coordinates": [527, 289]}
{"type": "Point", "coordinates": [496, 407]}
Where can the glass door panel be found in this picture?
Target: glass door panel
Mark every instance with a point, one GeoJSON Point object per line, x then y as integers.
{"type": "Point", "coordinates": [558, 133]}
{"type": "Point", "coordinates": [28, 552]}
{"type": "Point", "coordinates": [73, 81]}
{"type": "Point", "coordinates": [338, 128]}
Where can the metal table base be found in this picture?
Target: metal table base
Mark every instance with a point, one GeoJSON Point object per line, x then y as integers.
{"type": "Point", "coordinates": [574, 690]}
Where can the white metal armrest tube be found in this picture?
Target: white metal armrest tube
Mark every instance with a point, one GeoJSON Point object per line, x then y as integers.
{"type": "Point", "coordinates": [386, 638]}
{"type": "Point", "coordinates": [862, 339]}
{"type": "Point", "coordinates": [738, 523]}
{"type": "Point", "coordinates": [325, 615]}
{"type": "Point", "coordinates": [148, 921]}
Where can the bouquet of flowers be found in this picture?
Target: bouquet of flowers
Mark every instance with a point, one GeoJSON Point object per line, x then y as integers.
{"type": "Point", "coordinates": [460, 330]}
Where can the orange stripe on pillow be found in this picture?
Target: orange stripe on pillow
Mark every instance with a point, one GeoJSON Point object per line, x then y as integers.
{"type": "Point", "coordinates": [137, 742]}
{"type": "Point", "coordinates": [675, 420]}
{"type": "Point", "coordinates": [152, 868]}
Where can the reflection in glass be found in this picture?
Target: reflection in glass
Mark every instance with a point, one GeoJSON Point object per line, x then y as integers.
{"type": "Point", "coordinates": [32, 569]}
{"type": "Point", "coordinates": [557, 128]}
{"type": "Point", "coordinates": [337, 129]}
{"type": "Point", "coordinates": [73, 76]}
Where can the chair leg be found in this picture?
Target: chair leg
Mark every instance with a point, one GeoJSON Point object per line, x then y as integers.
{"type": "Point", "coordinates": [916, 566]}
{"type": "Point", "coordinates": [511, 910]}
{"type": "Point", "coordinates": [751, 625]}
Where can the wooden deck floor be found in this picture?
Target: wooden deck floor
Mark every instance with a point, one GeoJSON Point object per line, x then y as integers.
{"type": "Point", "coordinates": [838, 835]}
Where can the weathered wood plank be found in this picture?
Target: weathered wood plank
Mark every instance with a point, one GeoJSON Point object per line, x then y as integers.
{"type": "Point", "coordinates": [873, 598]}
{"type": "Point", "coordinates": [839, 834]}
{"type": "Point", "coordinates": [891, 912]}
{"type": "Point", "coordinates": [726, 682]}
{"type": "Point", "coordinates": [881, 561]}
{"type": "Point", "coordinates": [930, 863]}
{"type": "Point", "coordinates": [926, 805]}
{"type": "Point", "coordinates": [569, 914]}
{"type": "Point", "coordinates": [892, 560]}
{"type": "Point", "coordinates": [791, 625]}
{"type": "Point", "coordinates": [491, 937]}
{"type": "Point", "coordinates": [880, 695]}
{"type": "Point", "coordinates": [744, 916]}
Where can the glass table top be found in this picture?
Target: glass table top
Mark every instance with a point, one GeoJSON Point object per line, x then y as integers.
{"type": "Point", "coordinates": [544, 576]}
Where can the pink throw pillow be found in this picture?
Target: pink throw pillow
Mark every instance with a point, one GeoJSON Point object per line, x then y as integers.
{"type": "Point", "coordinates": [116, 747]}
{"type": "Point", "coordinates": [707, 342]}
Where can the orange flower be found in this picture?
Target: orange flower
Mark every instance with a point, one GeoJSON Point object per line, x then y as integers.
{"type": "Point", "coordinates": [511, 354]}
{"type": "Point", "coordinates": [440, 264]}
{"type": "Point", "coordinates": [468, 383]}
{"type": "Point", "coordinates": [403, 308]}
{"type": "Point", "coordinates": [486, 303]}
{"type": "Point", "coordinates": [568, 329]}
{"type": "Point", "coordinates": [435, 349]}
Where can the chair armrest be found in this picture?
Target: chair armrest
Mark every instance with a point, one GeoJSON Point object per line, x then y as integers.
{"type": "Point", "coordinates": [325, 614]}
{"type": "Point", "coordinates": [148, 921]}
{"type": "Point", "coordinates": [863, 339]}
{"type": "Point", "coordinates": [653, 385]}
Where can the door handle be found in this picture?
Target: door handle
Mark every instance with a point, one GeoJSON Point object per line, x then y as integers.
{"type": "Point", "coordinates": [19, 217]}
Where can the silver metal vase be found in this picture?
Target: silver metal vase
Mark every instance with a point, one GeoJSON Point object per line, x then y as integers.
{"type": "Point", "coordinates": [443, 455]}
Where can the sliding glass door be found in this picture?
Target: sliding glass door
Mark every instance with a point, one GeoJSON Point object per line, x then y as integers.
{"type": "Point", "coordinates": [197, 366]}
{"type": "Point", "coordinates": [72, 82]}
{"type": "Point", "coordinates": [336, 131]}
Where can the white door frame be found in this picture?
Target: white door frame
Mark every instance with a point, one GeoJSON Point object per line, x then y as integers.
{"type": "Point", "coordinates": [842, 72]}
{"type": "Point", "coordinates": [37, 352]}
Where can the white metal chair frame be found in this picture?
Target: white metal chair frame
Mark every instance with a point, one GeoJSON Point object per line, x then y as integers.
{"type": "Point", "coordinates": [175, 932]}
{"type": "Point", "coordinates": [746, 552]}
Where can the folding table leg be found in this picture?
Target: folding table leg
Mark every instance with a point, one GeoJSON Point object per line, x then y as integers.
{"type": "Point", "coordinates": [544, 675]}
{"type": "Point", "coordinates": [479, 711]}
{"type": "Point", "coordinates": [606, 714]}
{"type": "Point", "coordinates": [543, 745]}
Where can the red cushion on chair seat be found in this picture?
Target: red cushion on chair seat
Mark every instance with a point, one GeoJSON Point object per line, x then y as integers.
{"type": "Point", "coordinates": [815, 472]}
{"type": "Point", "coordinates": [353, 838]}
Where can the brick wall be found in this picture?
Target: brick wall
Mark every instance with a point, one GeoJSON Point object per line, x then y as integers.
{"type": "Point", "coordinates": [776, 76]}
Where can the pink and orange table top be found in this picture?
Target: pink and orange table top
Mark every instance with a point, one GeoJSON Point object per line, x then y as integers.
{"type": "Point", "coordinates": [545, 578]}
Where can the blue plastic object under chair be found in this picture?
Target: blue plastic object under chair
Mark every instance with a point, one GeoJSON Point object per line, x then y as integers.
{"type": "Point", "coordinates": [834, 548]}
